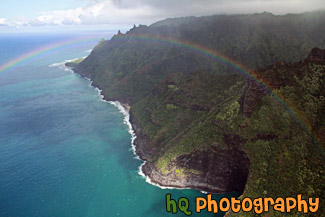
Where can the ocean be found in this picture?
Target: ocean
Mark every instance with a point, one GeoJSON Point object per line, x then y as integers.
{"type": "Point", "coordinates": [63, 151]}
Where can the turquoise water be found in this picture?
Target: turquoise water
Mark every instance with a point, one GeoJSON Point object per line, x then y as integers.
{"type": "Point", "coordinates": [63, 151]}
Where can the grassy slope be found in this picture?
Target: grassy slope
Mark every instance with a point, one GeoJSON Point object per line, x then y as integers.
{"type": "Point", "coordinates": [127, 68]}
{"type": "Point", "coordinates": [197, 111]}
{"type": "Point", "coordinates": [74, 63]}
{"type": "Point", "coordinates": [291, 163]}
{"type": "Point", "coordinates": [182, 108]}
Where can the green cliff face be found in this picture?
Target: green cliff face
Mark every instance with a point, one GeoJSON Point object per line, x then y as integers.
{"type": "Point", "coordinates": [128, 66]}
{"type": "Point", "coordinates": [182, 132]}
{"type": "Point", "coordinates": [202, 124]}
{"type": "Point", "coordinates": [74, 63]}
{"type": "Point", "coordinates": [284, 158]}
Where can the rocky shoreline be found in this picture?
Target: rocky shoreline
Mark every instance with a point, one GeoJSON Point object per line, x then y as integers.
{"type": "Point", "coordinates": [220, 171]}
{"type": "Point", "coordinates": [218, 168]}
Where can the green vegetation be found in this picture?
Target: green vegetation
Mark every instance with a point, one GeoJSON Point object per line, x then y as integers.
{"type": "Point", "coordinates": [289, 163]}
{"type": "Point", "coordinates": [190, 106]}
{"type": "Point", "coordinates": [74, 63]}
{"type": "Point", "coordinates": [284, 159]}
{"type": "Point", "coordinates": [130, 65]}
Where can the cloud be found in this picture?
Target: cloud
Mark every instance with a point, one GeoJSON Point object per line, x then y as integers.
{"type": "Point", "coordinates": [3, 21]}
{"type": "Point", "coordinates": [16, 22]}
{"type": "Point", "coordinates": [128, 12]}
{"type": "Point", "coordinates": [98, 12]}
{"type": "Point", "coordinates": [207, 7]}
{"type": "Point", "coordinates": [62, 17]}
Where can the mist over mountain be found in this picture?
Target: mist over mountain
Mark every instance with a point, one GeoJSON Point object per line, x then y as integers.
{"type": "Point", "coordinates": [201, 122]}
{"type": "Point", "coordinates": [254, 41]}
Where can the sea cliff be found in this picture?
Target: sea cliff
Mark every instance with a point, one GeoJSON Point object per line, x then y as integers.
{"type": "Point", "coordinates": [209, 123]}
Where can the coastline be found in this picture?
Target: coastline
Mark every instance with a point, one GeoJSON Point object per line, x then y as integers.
{"type": "Point", "coordinates": [149, 176]}
{"type": "Point", "coordinates": [146, 170]}
{"type": "Point", "coordinates": [124, 108]}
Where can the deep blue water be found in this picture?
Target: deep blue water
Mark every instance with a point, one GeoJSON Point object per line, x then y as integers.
{"type": "Point", "coordinates": [64, 152]}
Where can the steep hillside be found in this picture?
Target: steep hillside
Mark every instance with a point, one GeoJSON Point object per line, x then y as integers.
{"type": "Point", "coordinates": [202, 124]}
{"type": "Point", "coordinates": [285, 143]}
{"type": "Point", "coordinates": [128, 66]}
{"type": "Point", "coordinates": [213, 132]}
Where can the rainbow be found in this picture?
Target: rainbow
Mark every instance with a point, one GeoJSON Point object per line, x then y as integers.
{"type": "Point", "coordinates": [52, 47]}
{"type": "Point", "coordinates": [190, 46]}
{"type": "Point", "coordinates": [233, 64]}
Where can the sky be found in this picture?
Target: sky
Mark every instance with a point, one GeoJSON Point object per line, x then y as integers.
{"type": "Point", "coordinates": [113, 14]}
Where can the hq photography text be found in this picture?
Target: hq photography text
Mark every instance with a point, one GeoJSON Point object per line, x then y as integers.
{"type": "Point", "coordinates": [258, 205]}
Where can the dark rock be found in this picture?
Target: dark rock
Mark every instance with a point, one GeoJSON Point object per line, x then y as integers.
{"type": "Point", "coordinates": [219, 171]}
{"type": "Point", "coordinates": [233, 140]}
{"type": "Point", "coordinates": [316, 55]}
{"type": "Point", "coordinates": [252, 97]}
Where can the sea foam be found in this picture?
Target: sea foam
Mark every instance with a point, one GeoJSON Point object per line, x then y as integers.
{"type": "Point", "coordinates": [61, 65]}
{"type": "Point", "coordinates": [126, 120]}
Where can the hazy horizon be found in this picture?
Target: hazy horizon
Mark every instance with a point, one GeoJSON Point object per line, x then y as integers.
{"type": "Point", "coordinates": [110, 15]}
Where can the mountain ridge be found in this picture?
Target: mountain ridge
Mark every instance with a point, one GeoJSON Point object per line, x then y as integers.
{"type": "Point", "coordinates": [189, 112]}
